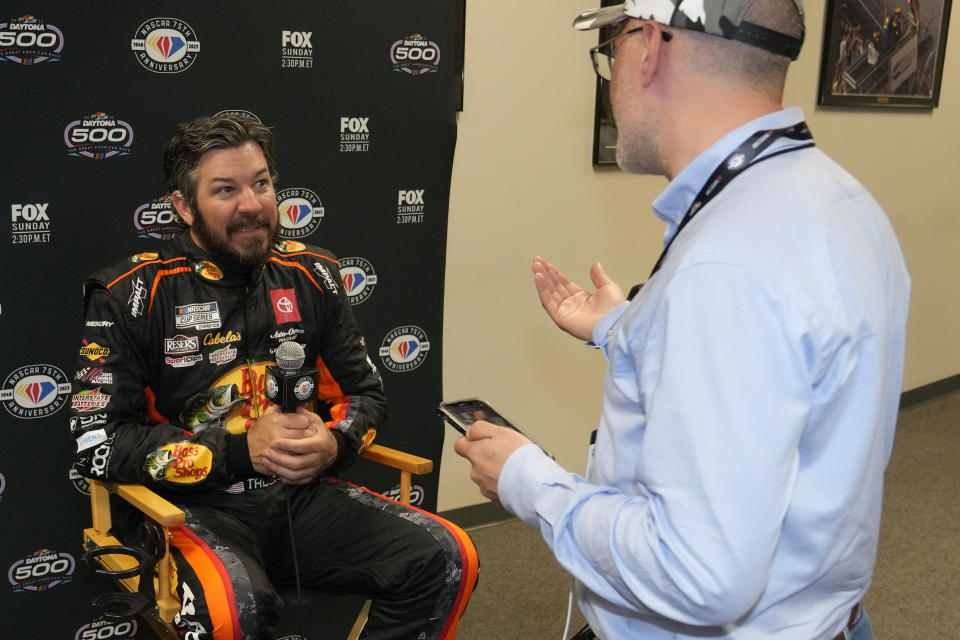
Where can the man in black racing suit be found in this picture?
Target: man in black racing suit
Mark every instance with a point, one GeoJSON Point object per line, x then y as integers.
{"type": "Point", "coordinates": [169, 393]}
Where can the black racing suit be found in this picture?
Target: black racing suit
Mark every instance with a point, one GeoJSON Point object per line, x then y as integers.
{"type": "Point", "coordinates": [171, 375]}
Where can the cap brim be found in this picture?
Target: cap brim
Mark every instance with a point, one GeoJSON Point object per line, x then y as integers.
{"type": "Point", "coordinates": [601, 17]}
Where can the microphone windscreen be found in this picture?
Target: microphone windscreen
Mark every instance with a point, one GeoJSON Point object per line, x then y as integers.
{"type": "Point", "coordinates": [290, 356]}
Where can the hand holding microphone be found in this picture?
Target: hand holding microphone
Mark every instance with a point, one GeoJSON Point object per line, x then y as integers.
{"type": "Point", "coordinates": [289, 440]}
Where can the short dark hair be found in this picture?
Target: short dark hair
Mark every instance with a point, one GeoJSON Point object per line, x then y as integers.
{"type": "Point", "coordinates": [196, 137]}
{"type": "Point", "coordinates": [747, 65]}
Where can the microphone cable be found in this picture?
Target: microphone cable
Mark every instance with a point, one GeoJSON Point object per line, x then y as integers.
{"type": "Point", "coordinates": [296, 564]}
{"type": "Point", "coordinates": [290, 358]}
{"type": "Point", "coordinates": [566, 626]}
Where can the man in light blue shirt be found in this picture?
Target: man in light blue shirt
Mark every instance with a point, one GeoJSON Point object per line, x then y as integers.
{"type": "Point", "coordinates": [734, 486]}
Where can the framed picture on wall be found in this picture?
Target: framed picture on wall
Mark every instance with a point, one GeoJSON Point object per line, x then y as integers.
{"type": "Point", "coordinates": [459, 30]}
{"type": "Point", "coordinates": [604, 129]}
{"type": "Point", "coordinates": [883, 53]}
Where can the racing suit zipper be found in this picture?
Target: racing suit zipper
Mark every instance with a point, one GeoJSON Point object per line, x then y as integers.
{"type": "Point", "coordinates": [251, 372]}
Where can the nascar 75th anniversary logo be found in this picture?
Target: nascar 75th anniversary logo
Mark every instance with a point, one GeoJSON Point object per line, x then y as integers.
{"type": "Point", "coordinates": [35, 391]}
{"type": "Point", "coordinates": [165, 45]}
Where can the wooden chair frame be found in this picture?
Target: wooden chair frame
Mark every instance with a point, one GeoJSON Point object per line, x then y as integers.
{"type": "Point", "coordinates": [168, 515]}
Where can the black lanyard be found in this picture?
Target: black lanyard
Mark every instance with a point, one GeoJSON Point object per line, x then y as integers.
{"type": "Point", "coordinates": [742, 157]}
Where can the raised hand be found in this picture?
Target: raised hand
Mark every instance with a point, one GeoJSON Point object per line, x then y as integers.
{"type": "Point", "coordinates": [571, 307]}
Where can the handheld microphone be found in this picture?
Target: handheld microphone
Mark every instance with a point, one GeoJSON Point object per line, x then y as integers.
{"type": "Point", "coordinates": [288, 384]}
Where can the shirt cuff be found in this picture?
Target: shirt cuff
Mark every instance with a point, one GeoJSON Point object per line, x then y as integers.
{"type": "Point", "coordinates": [604, 328]}
{"type": "Point", "coordinates": [345, 456]}
{"type": "Point", "coordinates": [238, 457]}
{"type": "Point", "coordinates": [527, 473]}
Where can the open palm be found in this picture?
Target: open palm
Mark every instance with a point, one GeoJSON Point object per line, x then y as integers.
{"type": "Point", "coordinates": [571, 307]}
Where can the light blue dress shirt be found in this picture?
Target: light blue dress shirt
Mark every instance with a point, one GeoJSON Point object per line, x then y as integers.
{"type": "Point", "coordinates": [749, 407]}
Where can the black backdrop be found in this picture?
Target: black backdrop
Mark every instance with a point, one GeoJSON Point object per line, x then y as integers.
{"type": "Point", "coordinates": [362, 98]}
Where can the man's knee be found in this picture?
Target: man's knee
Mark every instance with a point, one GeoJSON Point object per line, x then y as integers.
{"type": "Point", "coordinates": [439, 553]}
{"type": "Point", "coordinates": [251, 614]}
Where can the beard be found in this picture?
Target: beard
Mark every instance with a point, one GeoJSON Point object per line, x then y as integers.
{"type": "Point", "coordinates": [248, 252]}
{"type": "Point", "coordinates": [640, 147]}
{"type": "Point", "coordinates": [639, 154]}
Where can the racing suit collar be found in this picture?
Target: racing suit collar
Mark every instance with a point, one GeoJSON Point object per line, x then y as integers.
{"type": "Point", "coordinates": [215, 268]}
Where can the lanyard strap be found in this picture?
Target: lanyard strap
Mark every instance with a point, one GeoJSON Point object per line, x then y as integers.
{"type": "Point", "coordinates": [744, 156]}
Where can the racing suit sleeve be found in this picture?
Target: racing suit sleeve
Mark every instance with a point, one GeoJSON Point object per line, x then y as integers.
{"type": "Point", "coordinates": [349, 383]}
{"type": "Point", "coordinates": [117, 438]}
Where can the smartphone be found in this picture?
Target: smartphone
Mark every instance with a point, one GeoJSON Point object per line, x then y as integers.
{"type": "Point", "coordinates": [460, 414]}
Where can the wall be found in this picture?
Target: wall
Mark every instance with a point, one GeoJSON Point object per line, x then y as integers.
{"type": "Point", "coordinates": [523, 186]}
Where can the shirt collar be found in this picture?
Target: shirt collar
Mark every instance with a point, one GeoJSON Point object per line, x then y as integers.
{"type": "Point", "coordinates": [671, 205]}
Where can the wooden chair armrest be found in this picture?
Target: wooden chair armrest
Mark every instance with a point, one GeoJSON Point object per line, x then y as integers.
{"type": "Point", "coordinates": [161, 510]}
{"type": "Point", "coordinates": [397, 459]}
{"type": "Point", "coordinates": [169, 515]}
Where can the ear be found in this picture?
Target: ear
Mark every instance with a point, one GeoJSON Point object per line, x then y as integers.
{"type": "Point", "coordinates": [183, 209]}
{"type": "Point", "coordinates": [653, 34]}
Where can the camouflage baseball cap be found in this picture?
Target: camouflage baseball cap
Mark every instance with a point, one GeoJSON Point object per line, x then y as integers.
{"type": "Point", "coordinates": [717, 17]}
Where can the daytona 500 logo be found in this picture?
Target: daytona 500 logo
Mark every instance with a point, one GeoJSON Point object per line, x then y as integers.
{"type": "Point", "coordinates": [103, 629]}
{"type": "Point", "coordinates": [28, 40]}
{"type": "Point", "coordinates": [98, 136]}
{"type": "Point", "coordinates": [157, 219]}
{"type": "Point", "coordinates": [41, 570]}
{"type": "Point", "coordinates": [415, 55]}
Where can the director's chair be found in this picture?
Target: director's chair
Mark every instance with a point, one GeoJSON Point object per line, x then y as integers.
{"type": "Point", "coordinates": [159, 596]}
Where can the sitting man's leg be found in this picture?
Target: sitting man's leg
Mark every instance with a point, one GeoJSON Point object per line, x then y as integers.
{"type": "Point", "coordinates": [418, 569]}
{"type": "Point", "coordinates": [224, 591]}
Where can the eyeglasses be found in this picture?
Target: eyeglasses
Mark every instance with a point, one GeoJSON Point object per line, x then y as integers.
{"type": "Point", "coordinates": [603, 54]}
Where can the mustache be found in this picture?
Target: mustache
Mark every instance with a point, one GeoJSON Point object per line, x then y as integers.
{"type": "Point", "coordinates": [249, 221]}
